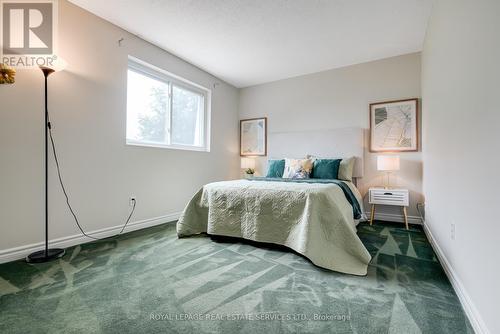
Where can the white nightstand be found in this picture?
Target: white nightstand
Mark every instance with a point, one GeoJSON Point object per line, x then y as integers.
{"type": "Point", "coordinates": [398, 197]}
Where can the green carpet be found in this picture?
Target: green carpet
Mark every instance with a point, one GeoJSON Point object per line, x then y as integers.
{"type": "Point", "coordinates": [151, 282]}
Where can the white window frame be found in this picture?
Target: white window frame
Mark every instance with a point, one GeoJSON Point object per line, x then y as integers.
{"type": "Point", "coordinates": [143, 68]}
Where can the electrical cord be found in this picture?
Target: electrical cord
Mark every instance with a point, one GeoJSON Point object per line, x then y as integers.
{"type": "Point", "coordinates": [67, 197]}
{"type": "Point", "coordinates": [419, 210]}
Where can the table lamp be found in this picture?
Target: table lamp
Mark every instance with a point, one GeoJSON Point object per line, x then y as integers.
{"type": "Point", "coordinates": [248, 164]}
{"type": "Point", "coordinates": [388, 164]}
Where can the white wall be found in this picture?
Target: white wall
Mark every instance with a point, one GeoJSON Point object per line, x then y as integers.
{"type": "Point", "coordinates": [460, 88]}
{"type": "Point", "coordinates": [88, 109]}
{"type": "Point", "coordinates": [340, 98]}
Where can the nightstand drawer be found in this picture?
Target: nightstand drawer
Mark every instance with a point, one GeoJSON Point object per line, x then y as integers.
{"type": "Point", "coordinates": [398, 197]}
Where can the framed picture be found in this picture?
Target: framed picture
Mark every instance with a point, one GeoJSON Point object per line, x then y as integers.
{"type": "Point", "coordinates": [253, 137]}
{"type": "Point", "coordinates": [394, 126]}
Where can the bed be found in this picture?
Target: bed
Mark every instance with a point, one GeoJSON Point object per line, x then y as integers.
{"type": "Point", "coordinates": [315, 217]}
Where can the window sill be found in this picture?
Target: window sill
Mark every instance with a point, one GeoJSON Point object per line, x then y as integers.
{"type": "Point", "coordinates": [171, 147]}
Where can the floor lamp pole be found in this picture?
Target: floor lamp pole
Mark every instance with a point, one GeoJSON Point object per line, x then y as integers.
{"type": "Point", "coordinates": [46, 167]}
{"type": "Point", "coordinates": [46, 254]}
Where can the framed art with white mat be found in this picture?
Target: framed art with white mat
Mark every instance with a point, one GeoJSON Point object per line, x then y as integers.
{"type": "Point", "coordinates": [394, 126]}
{"type": "Point", "coordinates": [253, 137]}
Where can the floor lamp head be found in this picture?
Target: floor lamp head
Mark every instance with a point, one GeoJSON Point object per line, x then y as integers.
{"type": "Point", "coordinates": [57, 64]}
{"type": "Point", "coordinates": [46, 71]}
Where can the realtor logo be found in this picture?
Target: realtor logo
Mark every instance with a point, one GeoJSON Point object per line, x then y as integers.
{"type": "Point", "coordinates": [28, 32]}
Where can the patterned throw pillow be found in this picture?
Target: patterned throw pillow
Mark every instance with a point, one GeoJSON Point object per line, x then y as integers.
{"type": "Point", "coordinates": [298, 168]}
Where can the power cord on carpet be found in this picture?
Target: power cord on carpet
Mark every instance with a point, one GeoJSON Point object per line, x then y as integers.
{"type": "Point", "coordinates": [67, 197]}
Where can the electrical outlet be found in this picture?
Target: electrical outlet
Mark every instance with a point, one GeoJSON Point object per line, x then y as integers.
{"type": "Point", "coordinates": [132, 201]}
{"type": "Point", "coordinates": [452, 231]}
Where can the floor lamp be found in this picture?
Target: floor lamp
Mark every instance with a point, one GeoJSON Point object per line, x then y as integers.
{"type": "Point", "coordinates": [47, 254]}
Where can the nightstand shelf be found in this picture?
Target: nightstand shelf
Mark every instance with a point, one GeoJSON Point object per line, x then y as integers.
{"type": "Point", "coordinates": [396, 197]}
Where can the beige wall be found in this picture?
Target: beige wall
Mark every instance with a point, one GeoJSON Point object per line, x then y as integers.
{"type": "Point", "coordinates": [88, 109]}
{"type": "Point", "coordinates": [340, 98]}
{"type": "Point", "coordinates": [460, 88]}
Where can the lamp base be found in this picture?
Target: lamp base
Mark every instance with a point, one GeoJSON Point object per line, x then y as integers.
{"type": "Point", "coordinates": [40, 256]}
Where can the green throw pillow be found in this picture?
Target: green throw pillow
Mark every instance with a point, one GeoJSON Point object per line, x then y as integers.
{"type": "Point", "coordinates": [326, 169]}
{"type": "Point", "coordinates": [275, 168]}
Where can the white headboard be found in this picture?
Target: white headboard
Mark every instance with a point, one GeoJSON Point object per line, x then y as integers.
{"type": "Point", "coordinates": [331, 143]}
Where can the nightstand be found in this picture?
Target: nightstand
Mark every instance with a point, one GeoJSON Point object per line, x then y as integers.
{"type": "Point", "coordinates": [381, 196]}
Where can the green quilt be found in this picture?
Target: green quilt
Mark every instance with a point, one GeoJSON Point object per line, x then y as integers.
{"type": "Point", "coordinates": [314, 219]}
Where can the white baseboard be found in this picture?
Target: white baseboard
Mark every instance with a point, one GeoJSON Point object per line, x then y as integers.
{"type": "Point", "coordinates": [470, 310]}
{"type": "Point", "coordinates": [390, 217]}
{"type": "Point", "coordinates": [21, 252]}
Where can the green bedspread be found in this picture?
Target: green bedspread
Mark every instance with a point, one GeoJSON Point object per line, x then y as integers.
{"type": "Point", "coordinates": [314, 219]}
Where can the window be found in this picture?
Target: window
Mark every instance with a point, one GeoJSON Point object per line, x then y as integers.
{"type": "Point", "coordinates": [164, 110]}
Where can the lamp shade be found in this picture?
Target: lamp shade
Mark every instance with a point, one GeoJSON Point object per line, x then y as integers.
{"type": "Point", "coordinates": [247, 163]}
{"type": "Point", "coordinates": [388, 162]}
{"type": "Point", "coordinates": [58, 64]}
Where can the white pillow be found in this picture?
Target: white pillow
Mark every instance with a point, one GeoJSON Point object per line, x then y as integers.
{"type": "Point", "coordinates": [346, 169]}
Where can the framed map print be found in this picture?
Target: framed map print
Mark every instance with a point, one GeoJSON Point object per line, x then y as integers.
{"type": "Point", "coordinates": [253, 137]}
{"type": "Point", "coordinates": [394, 126]}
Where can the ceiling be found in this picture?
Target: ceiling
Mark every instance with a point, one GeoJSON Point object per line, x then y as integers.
{"type": "Point", "coordinates": [247, 42]}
